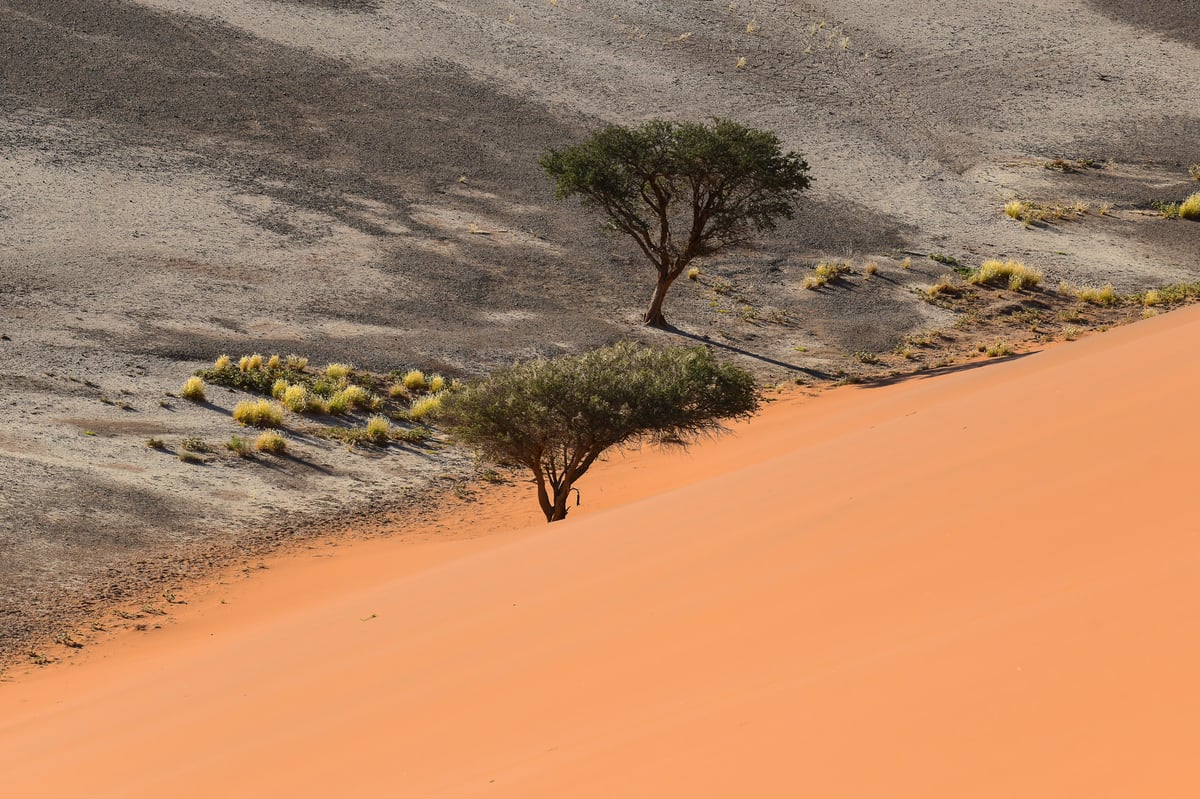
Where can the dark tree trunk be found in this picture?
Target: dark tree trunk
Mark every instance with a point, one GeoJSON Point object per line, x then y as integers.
{"type": "Point", "coordinates": [654, 316]}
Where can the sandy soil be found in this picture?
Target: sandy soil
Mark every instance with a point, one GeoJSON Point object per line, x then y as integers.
{"type": "Point", "coordinates": [974, 585]}
{"type": "Point", "coordinates": [356, 180]}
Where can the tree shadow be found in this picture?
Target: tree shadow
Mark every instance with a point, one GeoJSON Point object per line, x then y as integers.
{"type": "Point", "coordinates": [813, 373]}
{"type": "Point", "coordinates": [889, 380]}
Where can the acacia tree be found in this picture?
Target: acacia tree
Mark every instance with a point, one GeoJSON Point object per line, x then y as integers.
{"type": "Point", "coordinates": [682, 190]}
{"type": "Point", "coordinates": [555, 417]}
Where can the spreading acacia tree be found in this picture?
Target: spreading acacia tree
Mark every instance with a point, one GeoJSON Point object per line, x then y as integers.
{"type": "Point", "coordinates": [556, 416]}
{"type": "Point", "coordinates": [681, 190]}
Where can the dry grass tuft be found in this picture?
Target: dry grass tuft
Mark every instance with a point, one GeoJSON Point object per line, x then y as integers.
{"type": "Point", "coordinates": [694, 273]}
{"type": "Point", "coordinates": [193, 390]}
{"type": "Point", "coordinates": [414, 380]}
{"type": "Point", "coordinates": [1016, 274]}
{"type": "Point", "coordinates": [945, 287]}
{"type": "Point", "coordinates": [279, 388]}
{"type": "Point", "coordinates": [1190, 208]}
{"type": "Point", "coordinates": [379, 429]}
{"type": "Point", "coordinates": [296, 363]}
{"type": "Point", "coordinates": [271, 442]}
{"type": "Point", "coordinates": [222, 362]}
{"type": "Point", "coordinates": [338, 371]}
{"type": "Point", "coordinates": [274, 363]}
{"type": "Point", "coordinates": [826, 272]}
{"type": "Point", "coordinates": [425, 406]}
{"type": "Point", "coordinates": [296, 399]}
{"type": "Point", "coordinates": [1105, 295]}
{"type": "Point", "coordinates": [998, 350]}
{"type": "Point", "coordinates": [258, 413]}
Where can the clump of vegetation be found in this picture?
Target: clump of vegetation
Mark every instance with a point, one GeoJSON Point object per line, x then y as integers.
{"type": "Point", "coordinates": [871, 268]}
{"type": "Point", "coordinates": [155, 443]}
{"type": "Point", "coordinates": [270, 442]}
{"type": "Point", "coordinates": [222, 362]}
{"type": "Point", "coordinates": [279, 388]}
{"type": "Point", "coordinates": [693, 273]}
{"type": "Point", "coordinates": [906, 263]}
{"type": "Point", "coordinates": [945, 286]}
{"type": "Point", "coordinates": [250, 363]}
{"type": "Point", "coordinates": [258, 413]}
{"type": "Point", "coordinates": [998, 350]}
{"type": "Point", "coordinates": [338, 371]}
{"type": "Point", "coordinates": [1152, 297]}
{"type": "Point", "coordinates": [425, 406]}
{"type": "Point", "coordinates": [556, 417]}
{"type": "Point", "coordinates": [1015, 209]}
{"type": "Point", "coordinates": [1165, 209]}
{"type": "Point", "coordinates": [1105, 295]}
{"type": "Point", "coordinates": [379, 429]}
{"type": "Point", "coordinates": [193, 444]}
{"type": "Point", "coordinates": [436, 383]}
{"type": "Point", "coordinates": [397, 390]}
{"type": "Point", "coordinates": [189, 457]}
{"type": "Point", "coordinates": [296, 363]}
{"type": "Point", "coordinates": [826, 272]}
{"type": "Point", "coordinates": [274, 363]}
{"type": "Point", "coordinates": [193, 389]}
{"type": "Point", "coordinates": [238, 446]}
{"type": "Point", "coordinates": [1190, 208]}
{"type": "Point", "coordinates": [1013, 273]}
{"type": "Point", "coordinates": [942, 258]}
{"type": "Point", "coordinates": [863, 356]}
{"type": "Point", "coordinates": [414, 380]}
{"type": "Point", "coordinates": [1194, 171]}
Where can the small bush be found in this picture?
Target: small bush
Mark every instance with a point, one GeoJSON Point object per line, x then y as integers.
{"type": "Point", "coordinates": [1194, 171]}
{"type": "Point", "coordinates": [871, 268]}
{"type": "Point", "coordinates": [274, 363]}
{"type": "Point", "coordinates": [296, 362]}
{"type": "Point", "coordinates": [258, 413]}
{"type": "Point", "coordinates": [1152, 297]}
{"type": "Point", "coordinates": [906, 263]}
{"type": "Point", "coordinates": [414, 380]}
{"type": "Point", "coordinates": [425, 406]}
{"type": "Point", "coordinates": [1190, 208]}
{"type": "Point", "coordinates": [195, 445]}
{"type": "Point", "coordinates": [279, 388]}
{"type": "Point", "coordinates": [397, 391]}
{"type": "Point", "coordinates": [1105, 295]}
{"type": "Point", "coordinates": [190, 457]}
{"type": "Point", "coordinates": [221, 362]}
{"type": "Point", "coordinates": [238, 446]}
{"type": "Point", "coordinates": [694, 273]}
{"type": "Point", "coordinates": [193, 390]}
{"type": "Point", "coordinates": [1016, 274]}
{"type": "Point", "coordinates": [270, 441]}
{"type": "Point", "coordinates": [338, 371]}
{"type": "Point", "coordinates": [155, 443]}
{"type": "Point", "coordinates": [870, 358]}
{"type": "Point", "coordinates": [337, 404]}
{"type": "Point", "coordinates": [436, 384]}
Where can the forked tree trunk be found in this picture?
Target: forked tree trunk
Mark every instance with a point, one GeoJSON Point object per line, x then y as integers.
{"type": "Point", "coordinates": [654, 316]}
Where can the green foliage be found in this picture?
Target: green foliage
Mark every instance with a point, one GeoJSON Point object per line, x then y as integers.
{"type": "Point", "coordinates": [555, 417]}
{"type": "Point", "coordinates": [681, 190]}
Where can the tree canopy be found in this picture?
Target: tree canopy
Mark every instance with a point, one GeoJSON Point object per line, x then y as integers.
{"type": "Point", "coordinates": [556, 416]}
{"type": "Point", "coordinates": [681, 190]}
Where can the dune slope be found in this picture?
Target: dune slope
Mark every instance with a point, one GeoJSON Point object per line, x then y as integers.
{"type": "Point", "coordinates": [973, 585]}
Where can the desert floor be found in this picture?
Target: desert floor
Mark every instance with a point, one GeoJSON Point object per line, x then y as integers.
{"type": "Point", "coordinates": [979, 584]}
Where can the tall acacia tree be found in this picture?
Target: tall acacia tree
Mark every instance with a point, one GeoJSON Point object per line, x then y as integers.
{"type": "Point", "coordinates": [556, 416]}
{"type": "Point", "coordinates": [682, 190]}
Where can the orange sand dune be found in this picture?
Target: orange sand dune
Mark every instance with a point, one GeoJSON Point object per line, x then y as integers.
{"type": "Point", "coordinates": [976, 585]}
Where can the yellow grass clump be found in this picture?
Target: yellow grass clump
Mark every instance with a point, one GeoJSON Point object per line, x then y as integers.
{"type": "Point", "coordinates": [258, 413]}
{"type": "Point", "coordinates": [193, 390]}
{"type": "Point", "coordinates": [1015, 209]}
{"type": "Point", "coordinates": [1190, 208]}
{"type": "Point", "coordinates": [379, 429]}
{"type": "Point", "coordinates": [436, 383]}
{"type": "Point", "coordinates": [425, 406]}
{"type": "Point", "coordinates": [338, 371]}
{"type": "Point", "coordinates": [222, 362]}
{"type": "Point", "coordinates": [397, 391]}
{"type": "Point", "coordinates": [1105, 295]}
{"type": "Point", "coordinates": [1016, 274]}
{"type": "Point", "coordinates": [414, 380]}
{"type": "Point", "coordinates": [279, 388]}
{"type": "Point", "coordinates": [296, 399]}
{"type": "Point", "coordinates": [296, 362]}
{"type": "Point", "coordinates": [1152, 297]}
{"type": "Point", "coordinates": [825, 272]}
{"type": "Point", "coordinates": [270, 441]}
{"type": "Point", "coordinates": [273, 362]}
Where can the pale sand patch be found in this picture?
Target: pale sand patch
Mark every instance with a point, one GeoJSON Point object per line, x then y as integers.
{"type": "Point", "coordinates": [975, 585]}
